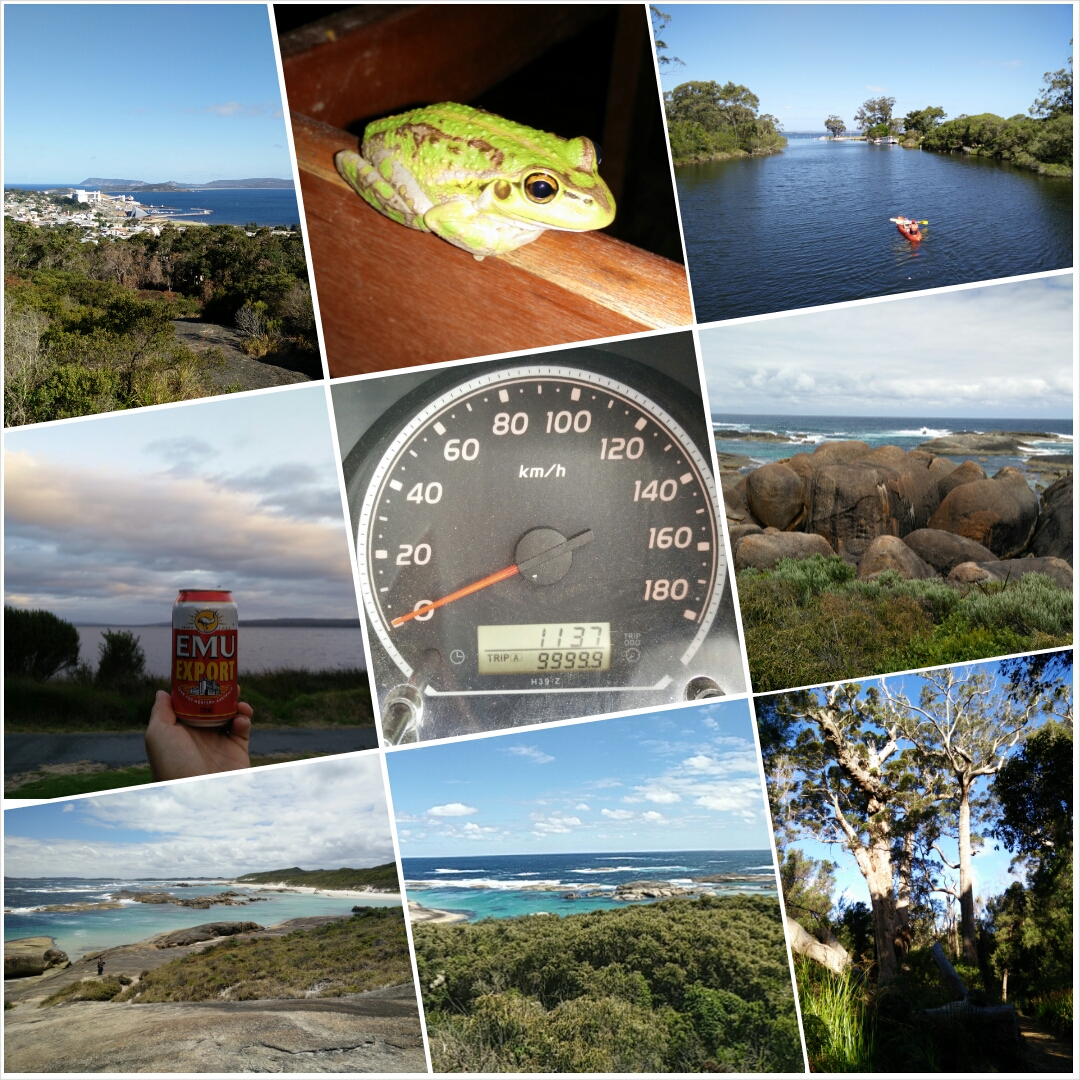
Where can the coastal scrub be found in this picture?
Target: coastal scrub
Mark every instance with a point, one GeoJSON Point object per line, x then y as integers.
{"type": "Point", "coordinates": [364, 952]}
{"type": "Point", "coordinates": [680, 985]}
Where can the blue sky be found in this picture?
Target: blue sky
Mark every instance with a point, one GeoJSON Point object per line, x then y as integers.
{"type": "Point", "coordinates": [990, 872]}
{"type": "Point", "coordinates": [318, 815]}
{"type": "Point", "coordinates": [105, 517]}
{"type": "Point", "coordinates": [807, 62]}
{"type": "Point", "coordinates": [998, 350]}
{"type": "Point", "coordinates": [142, 92]}
{"type": "Point", "coordinates": [679, 780]}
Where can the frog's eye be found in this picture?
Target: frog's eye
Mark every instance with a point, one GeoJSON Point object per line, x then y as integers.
{"type": "Point", "coordinates": [541, 188]}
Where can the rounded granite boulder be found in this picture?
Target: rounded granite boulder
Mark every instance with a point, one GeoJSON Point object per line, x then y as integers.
{"type": "Point", "coordinates": [1000, 514]}
{"type": "Point", "coordinates": [891, 553]}
{"type": "Point", "coordinates": [764, 550]}
{"type": "Point", "coordinates": [775, 496]}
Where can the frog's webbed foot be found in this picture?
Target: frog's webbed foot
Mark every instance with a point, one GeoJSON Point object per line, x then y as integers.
{"type": "Point", "coordinates": [458, 222]}
{"type": "Point", "coordinates": [386, 186]}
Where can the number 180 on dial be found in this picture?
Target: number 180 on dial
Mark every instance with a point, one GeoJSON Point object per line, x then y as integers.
{"type": "Point", "coordinates": [534, 647]}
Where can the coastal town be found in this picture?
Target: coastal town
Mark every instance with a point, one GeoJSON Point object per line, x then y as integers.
{"type": "Point", "coordinates": [100, 214]}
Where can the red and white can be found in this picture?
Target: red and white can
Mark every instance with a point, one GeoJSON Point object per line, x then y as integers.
{"type": "Point", "coordinates": [204, 686]}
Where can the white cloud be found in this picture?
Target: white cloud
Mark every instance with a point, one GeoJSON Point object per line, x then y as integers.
{"type": "Point", "coordinates": [617, 815]}
{"type": "Point", "coordinates": [533, 753]}
{"type": "Point", "coordinates": [975, 352]}
{"type": "Point", "coordinates": [582, 806]}
{"type": "Point", "coordinates": [653, 817]}
{"type": "Point", "coordinates": [454, 809]}
{"type": "Point", "coordinates": [554, 823]}
{"type": "Point", "coordinates": [318, 815]}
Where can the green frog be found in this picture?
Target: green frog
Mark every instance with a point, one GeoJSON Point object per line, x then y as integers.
{"type": "Point", "coordinates": [482, 183]}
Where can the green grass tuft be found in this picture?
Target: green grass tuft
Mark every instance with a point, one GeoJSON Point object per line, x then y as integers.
{"type": "Point", "coordinates": [86, 990]}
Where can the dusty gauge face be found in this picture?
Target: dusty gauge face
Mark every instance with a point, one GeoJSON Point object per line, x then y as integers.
{"type": "Point", "coordinates": [536, 541]}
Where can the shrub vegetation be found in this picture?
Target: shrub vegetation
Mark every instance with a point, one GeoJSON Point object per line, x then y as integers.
{"type": "Point", "coordinates": [681, 985]}
{"type": "Point", "coordinates": [810, 621]}
{"type": "Point", "coordinates": [707, 120]}
{"type": "Point", "coordinates": [88, 327]}
{"type": "Point", "coordinates": [1044, 146]}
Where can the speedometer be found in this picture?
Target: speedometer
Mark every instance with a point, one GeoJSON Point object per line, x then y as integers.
{"type": "Point", "coordinates": [538, 540]}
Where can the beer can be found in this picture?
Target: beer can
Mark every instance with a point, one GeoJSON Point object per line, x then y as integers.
{"type": "Point", "coordinates": [204, 686]}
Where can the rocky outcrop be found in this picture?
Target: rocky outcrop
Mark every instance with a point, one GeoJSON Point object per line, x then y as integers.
{"type": "Point", "coordinates": [205, 932]}
{"type": "Point", "coordinates": [891, 553]}
{"type": "Point", "coordinates": [944, 550]}
{"type": "Point", "coordinates": [967, 473]}
{"type": "Point", "coordinates": [1054, 529]}
{"type": "Point", "coordinates": [737, 532]}
{"type": "Point", "coordinates": [1058, 570]}
{"type": "Point", "coordinates": [25, 957]}
{"type": "Point", "coordinates": [775, 496]}
{"type": "Point", "coordinates": [851, 505]}
{"type": "Point", "coordinates": [763, 551]}
{"type": "Point", "coordinates": [1000, 514]}
{"type": "Point", "coordinates": [735, 507]}
{"type": "Point", "coordinates": [836, 453]}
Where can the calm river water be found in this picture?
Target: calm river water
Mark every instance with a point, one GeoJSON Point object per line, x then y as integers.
{"type": "Point", "coordinates": [811, 225]}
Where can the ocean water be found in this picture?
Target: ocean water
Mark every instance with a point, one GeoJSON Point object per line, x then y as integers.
{"type": "Point", "coordinates": [317, 648]}
{"type": "Point", "coordinates": [227, 206]}
{"type": "Point", "coordinates": [80, 932]}
{"type": "Point", "coordinates": [504, 886]}
{"type": "Point", "coordinates": [803, 433]}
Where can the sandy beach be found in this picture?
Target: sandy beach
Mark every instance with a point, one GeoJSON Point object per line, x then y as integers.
{"type": "Point", "coordinates": [309, 890]}
{"type": "Point", "coordinates": [420, 914]}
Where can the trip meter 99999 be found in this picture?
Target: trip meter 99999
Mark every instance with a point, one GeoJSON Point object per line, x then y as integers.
{"type": "Point", "coordinates": [542, 529]}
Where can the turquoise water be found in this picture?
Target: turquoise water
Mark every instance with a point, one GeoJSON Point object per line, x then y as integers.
{"type": "Point", "coordinates": [80, 932]}
{"type": "Point", "coordinates": [505, 886]}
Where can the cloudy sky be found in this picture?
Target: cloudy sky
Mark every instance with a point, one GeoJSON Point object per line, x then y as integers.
{"type": "Point", "coordinates": [179, 92]}
{"type": "Point", "coordinates": [996, 351]}
{"type": "Point", "coordinates": [808, 61]}
{"type": "Point", "coordinates": [107, 517]}
{"type": "Point", "coordinates": [685, 779]}
{"type": "Point", "coordinates": [317, 815]}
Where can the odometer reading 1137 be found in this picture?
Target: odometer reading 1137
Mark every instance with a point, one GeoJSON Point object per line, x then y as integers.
{"type": "Point", "coordinates": [566, 647]}
{"type": "Point", "coordinates": [541, 528]}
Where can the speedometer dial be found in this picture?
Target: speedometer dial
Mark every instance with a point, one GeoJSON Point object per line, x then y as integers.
{"type": "Point", "coordinates": [539, 530]}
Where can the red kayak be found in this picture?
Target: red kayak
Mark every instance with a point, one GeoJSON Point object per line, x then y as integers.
{"type": "Point", "coordinates": [904, 225]}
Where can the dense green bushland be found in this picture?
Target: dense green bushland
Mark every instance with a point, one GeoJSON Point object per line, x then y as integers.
{"type": "Point", "coordinates": [707, 120]}
{"type": "Point", "coordinates": [371, 877]}
{"type": "Point", "coordinates": [1044, 146]}
{"type": "Point", "coordinates": [88, 327]}
{"type": "Point", "coordinates": [810, 621]}
{"type": "Point", "coordinates": [681, 985]}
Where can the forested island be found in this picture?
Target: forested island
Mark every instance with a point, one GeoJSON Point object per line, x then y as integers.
{"type": "Point", "coordinates": [1041, 141]}
{"type": "Point", "coordinates": [710, 122]}
{"type": "Point", "coordinates": [677, 986]}
{"type": "Point", "coordinates": [912, 779]}
{"type": "Point", "coordinates": [93, 327]}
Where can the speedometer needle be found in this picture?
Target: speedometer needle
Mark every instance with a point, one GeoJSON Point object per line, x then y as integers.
{"type": "Point", "coordinates": [501, 575]}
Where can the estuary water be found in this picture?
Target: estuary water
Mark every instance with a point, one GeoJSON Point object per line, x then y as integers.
{"type": "Point", "coordinates": [80, 932]}
{"type": "Point", "coordinates": [811, 225]}
{"type": "Point", "coordinates": [261, 648]}
{"type": "Point", "coordinates": [504, 886]}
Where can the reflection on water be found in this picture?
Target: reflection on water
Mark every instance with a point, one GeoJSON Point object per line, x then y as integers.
{"type": "Point", "coordinates": [811, 225]}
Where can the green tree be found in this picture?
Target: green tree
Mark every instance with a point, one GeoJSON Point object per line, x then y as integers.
{"type": "Point", "coordinates": [660, 19]}
{"type": "Point", "coordinates": [1056, 98]}
{"type": "Point", "coordinates": [875, 111]}
{"type": "Point", "coordinates": [920, 121]}
{"type": "Point", "coordinates": [38, 644]}
{"type": "Point", "coordinates": [738, 105]}
{"type": "Point", "coordinates": [835, 125]}
{"type": "Point", "coordinates": [808, 885]}
{"type": "Point", "coordinates": [965, 729]}
{"type": "Point", "coordinates": [835, 767]}
{"type": "Point", "coordinates": [121, 660]}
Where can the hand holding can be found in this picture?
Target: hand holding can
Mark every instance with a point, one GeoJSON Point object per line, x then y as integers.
{"type": "Point", "coordinates": [205, 691]}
